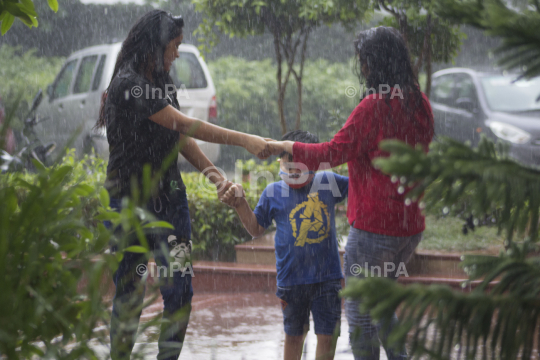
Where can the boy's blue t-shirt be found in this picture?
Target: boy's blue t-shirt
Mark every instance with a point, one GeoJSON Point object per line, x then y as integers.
{"type": "Point", "coordinates": [306, 244]}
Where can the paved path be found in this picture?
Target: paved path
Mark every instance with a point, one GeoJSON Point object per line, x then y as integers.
{"type": "Point", "coordinates": [233, 327]}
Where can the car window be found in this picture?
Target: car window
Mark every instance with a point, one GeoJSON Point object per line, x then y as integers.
{"type": "Point", "coordinates": [465, 87]}
{"type": "Point", "coordinates": [61, 86]}
{"type": "Point", "coordinates": [84, 75]}
{"type": "Point", "coordinates": [99, 73]}
{"type": "Point", "coordinates": [187, 71]}
{"type": "Point", "coordinates": [443, 90]}
{"type": "Point", "coordinates": [504, 93]}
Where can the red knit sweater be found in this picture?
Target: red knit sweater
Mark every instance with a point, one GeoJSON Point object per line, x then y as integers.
{"type": "Point", "coordinates": [374, 202]}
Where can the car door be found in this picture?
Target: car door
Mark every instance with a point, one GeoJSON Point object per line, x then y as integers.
{"type": "Point", "coordinates": [193, 92]}
{"type": "Point", "coordinates": [52, 129]}
{"type": "Point", "coordinates": [443, 96]}
{"type": "Point", "coordinates": [79, 108]}
{"type": "Point", "coordinates": [466, 109]}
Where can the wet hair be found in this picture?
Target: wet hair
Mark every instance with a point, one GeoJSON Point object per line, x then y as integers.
{"type": "Point", "coordinates": [300, 136]}
{"type": "Point", "coordinates": [145, 44]}
{"type": "Point", "coordinates": [385, 54]}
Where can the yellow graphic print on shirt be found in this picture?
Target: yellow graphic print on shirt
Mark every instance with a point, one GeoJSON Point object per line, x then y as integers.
{"type": "Point", "coordinates": [311, 216]}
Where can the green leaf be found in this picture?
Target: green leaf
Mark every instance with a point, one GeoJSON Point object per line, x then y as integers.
{"type": "Point", "coordinates": [53, 4]}
{"type": "Point", "coordinates": [28, 7]}
{"type": "Point", "coordinates": [6, 23]}
{"type": "Point", "coordinates": [158, 224]}
{"type": "Point", "coordinates": [104, 198]}
{"type": "Point", "coordinates": [84, 190]}
{"type": "Point", "coordinates": [136, 249]}
{"type": "Point", "coordinates": [109, 215]}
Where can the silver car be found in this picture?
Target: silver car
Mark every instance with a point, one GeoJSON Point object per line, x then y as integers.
{"type": "Point", "coordinates": [73, 100]}
{"type": "Point", "coordinates": [468, 103]}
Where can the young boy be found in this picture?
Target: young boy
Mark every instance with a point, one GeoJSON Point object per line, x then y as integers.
{"type": "Point", "coordinates": [307, 258]}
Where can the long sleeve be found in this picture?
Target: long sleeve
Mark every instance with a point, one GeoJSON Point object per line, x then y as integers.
{"type": "Point", "coordinates": [353, 138]}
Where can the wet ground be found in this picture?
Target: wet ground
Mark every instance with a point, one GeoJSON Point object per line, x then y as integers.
{"type": "Point", "coordinates": [234, 327]}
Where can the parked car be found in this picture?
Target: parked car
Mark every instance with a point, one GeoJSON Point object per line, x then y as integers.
{"type": "Point", "coordinates": [73, 100]}
{"type": "Point", "coordinates": [467, 103]}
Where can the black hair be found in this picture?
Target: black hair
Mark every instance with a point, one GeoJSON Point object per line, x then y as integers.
{"type": "Point", "coordinates": [384, 52]}
{"type": "Point", "coordinates": [145, 44]}
{"type": "Point", "coordinates": [300, 136]}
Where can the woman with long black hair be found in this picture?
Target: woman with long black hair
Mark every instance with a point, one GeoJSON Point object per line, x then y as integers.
{"type": "Point", "coordinates": [144, 126]}
{"type": "Point", "coordinates": [385, 229]}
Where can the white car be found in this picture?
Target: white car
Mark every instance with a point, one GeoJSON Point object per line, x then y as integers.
{"type": "Point", "coordinates": [73, 100]}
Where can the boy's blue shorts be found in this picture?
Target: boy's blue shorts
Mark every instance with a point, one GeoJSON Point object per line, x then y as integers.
{"type": "Point", "coordinates": [321, 299]}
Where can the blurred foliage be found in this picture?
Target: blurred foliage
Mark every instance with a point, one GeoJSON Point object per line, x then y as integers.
{"type": "Point", "coordinates": [74, 26]}
{"type": "Point", "coordinates": [484, 179]}
{"type": "Point", "coordinates": [498, 318]}
{"type": "Point", "coordinates": [23, 10]}
{"type": "Point", "coordinates": [54, 247]}
{"type": "Point", "coordinates": [516, 23]}
{"type": "Point", "coordinates": [284, 18]}
{"type": "Point", "coordinates": [38, 73]}
{"type": "Point", "coordinates": [46, 249]}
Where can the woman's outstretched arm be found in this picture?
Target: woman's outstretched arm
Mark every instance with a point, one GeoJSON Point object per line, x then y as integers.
{"type": "Point", "coordinates": [347, 144]}
{"type": "Point", "coordinates": [173, 119]}
{"type": "Point", "coordinates": [194, 155]}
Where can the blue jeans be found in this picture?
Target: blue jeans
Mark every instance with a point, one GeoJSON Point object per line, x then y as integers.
{"type": "Point", "coordinates": [384, 254]}
{"type": "Point", "coordinates": [321, 299]}
{"type": "Point", "coordinates": [176, 290]}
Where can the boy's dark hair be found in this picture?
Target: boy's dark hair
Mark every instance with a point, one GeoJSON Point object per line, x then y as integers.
{"type": "Point", "coordinates": [300, 136]}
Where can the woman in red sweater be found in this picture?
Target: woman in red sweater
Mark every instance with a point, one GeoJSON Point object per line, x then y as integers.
{"type": "Point", "coordinates": [385, 229]}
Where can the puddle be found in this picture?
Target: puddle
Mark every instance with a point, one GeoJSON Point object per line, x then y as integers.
{"type": "Point", "coordinates": [241, 327]}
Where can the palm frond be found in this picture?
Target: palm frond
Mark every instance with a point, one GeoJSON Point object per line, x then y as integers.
{"type": "Point", "coordinates": [518, 30]}
{"type": "Point", "coordinates": [492, 182]}
{"type": "Point", "coordinates": [443, 323]}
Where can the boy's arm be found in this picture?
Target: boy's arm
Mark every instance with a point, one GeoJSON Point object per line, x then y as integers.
{"type": "Point", "coordinates": [235, 198]}
{"type": "Point", "coordinates": [248, 218]}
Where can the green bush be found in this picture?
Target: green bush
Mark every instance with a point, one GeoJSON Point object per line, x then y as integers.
{"type": "Point", "coordinates": [215, 227]}
{"type": "Point", "coordinates": [48, 241]}
{"type": "Point", "coordinates": [53, 245]}
{"type": "Point", "coordinates": [23, 74]}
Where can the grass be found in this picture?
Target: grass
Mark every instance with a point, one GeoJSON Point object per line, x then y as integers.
{"type": "Point", "coordinates": [445, 234]}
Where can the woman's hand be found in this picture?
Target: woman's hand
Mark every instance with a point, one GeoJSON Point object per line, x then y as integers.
{"type": "Point", "coordinates": [234, 196]}
{"type": "Point", "coordinates": [277, 147]}
{"type": "Point", "coordinates": [257, 146]}
{"type": "Point", "coordinates": [222, 188]}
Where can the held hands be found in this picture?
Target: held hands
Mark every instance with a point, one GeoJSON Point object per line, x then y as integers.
{"type": "Point", "coordinates": [222, 188]}
{"type": "Point", "coordinates": [264, 148]}
{"type": "Point", "coordinates": [234, 196]}
{"type": "Point", "coordinates": [277, 147]}
{"type": "Point", "coordinates": [257, 146]}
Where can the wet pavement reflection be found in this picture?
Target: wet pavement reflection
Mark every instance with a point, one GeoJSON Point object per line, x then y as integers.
{"type": "Point", "coordinates": [234, 327]}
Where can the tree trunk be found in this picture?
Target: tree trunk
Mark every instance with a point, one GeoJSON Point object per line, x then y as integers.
{"type": "Point", "coordinates": [281, 88]}
{"type": "Point", "coordinates": [299, 81]}
{"type": "Point", "coordinates": [428, 57]}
